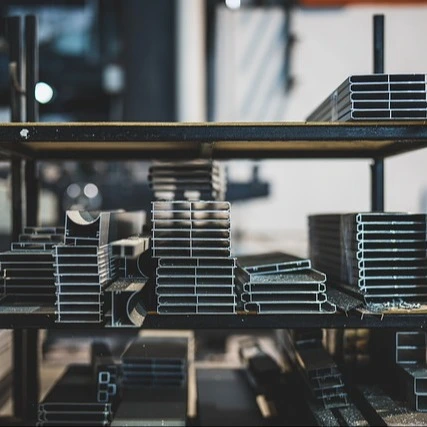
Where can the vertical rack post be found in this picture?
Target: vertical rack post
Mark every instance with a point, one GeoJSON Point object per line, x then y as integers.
{"type": "Point", "coordinates": [25, 346]}
{"type": "Point", "coordinates": [31, 78]}
{"type": "Point", "coordinates": [30, 337]}
{"type": "Point", "coordinates": [377, 167]}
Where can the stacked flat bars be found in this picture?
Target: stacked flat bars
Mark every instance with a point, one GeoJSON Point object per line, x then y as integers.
{"type": "Point", "coordinates": [411, 359]}
{"type": "Point", "coordinates": [27, 269]}
{"type": "Point", "coordinates": [376, 97]}
{"type": "Point", "coordinates": [281, 283]}
{"type": "Point", "coordinates": [322, 376]}
{"type": "Point", "coordinates": [155, 362]}
{"type": "Point", "coordinates": [382, 256]}
{"type": "Point", "coordinates": [72, 401]}
{"type": "Point", "coordinates": [85, 265]}
{"type": "Point", "coordinates": [195, 180]}
{"type": "Point", "coordinates": [195, 271]}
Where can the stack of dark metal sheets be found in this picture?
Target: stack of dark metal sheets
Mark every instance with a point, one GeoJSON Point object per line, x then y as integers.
{"type": "Point", "coordinates": [192, 180]}
{"type": "Point", "coordinates": [27, 269]}
{"type": "Point", "coordinates": [411, 352]}
{"type": "Point", "coordinates": [376, 97]}
{"type": "Point", "coordinates": [72, 401]}
{"type": "Point", "coordinates": [85, 265]}
{"type": "Point", "coordinates": [281, 283]}
{"type": "Point", "coordinates": [155, 362]}
{"type": "Point", "coordinates": [382, 256]}
{"type": "Point", "coordinates": [322, 376]}
{"type": "Point", "coordinates": [195, 273]}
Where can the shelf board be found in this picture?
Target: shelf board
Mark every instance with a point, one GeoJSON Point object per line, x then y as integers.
{"type": "Point", "coordinates": [144, 141]}
{"type": "Point", "coordinates": [43, 317]}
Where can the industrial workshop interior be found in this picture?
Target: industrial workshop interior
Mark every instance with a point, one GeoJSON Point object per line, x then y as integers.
{"type": "Point", "coordinates": [213, 213]}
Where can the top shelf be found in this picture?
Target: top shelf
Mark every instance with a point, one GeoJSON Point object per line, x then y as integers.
{"type": "Point", "coordinates": [145, 141]}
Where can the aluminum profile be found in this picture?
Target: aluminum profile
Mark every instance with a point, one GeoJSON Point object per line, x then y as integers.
{"type": "Point", "coordinates": [382, 255]}
{"type": "Point", "coordinates": [193, 180]}
{"type": "Point", "coordinates": [100, 228]}
{"type": "Point", "coordinates": [376, 97]}
{"type": "Point", "coordinates": [131, 247]}
{"type": "Point", "coordinates": [411, 347]}
{"type": "Point", "coordinates": [195, 273]}
{"type": "Point", "coordinates": [27, 269]}
{"type": "Point", "coordinates": [72, 401]}
{"type": "Point", "coordinates": [81, 274]}
{"type": "Point", "coordinates": [322, 376]}
{"type": "Point", "coordinates": [301, 291]}
{"type": "Point", "coordinates": [270, 263]}
{"type": "Point", "coordinates": [151, 362]}
{"type": "Point", "coordinates": [127, 309]}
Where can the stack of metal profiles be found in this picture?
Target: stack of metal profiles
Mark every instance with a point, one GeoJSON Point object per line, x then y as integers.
{"type": "Point", "coordinates": [195, 180]}
{"type": "Point", "coordinates": [106, 373]}
{"type": "Point", "coordinates": [411, 358]}
{"type": "Point", "coordinates": [376, 97]}
{"type": "Point", "coordinates": [195, 273]}
{"type": "Point", "coordinates": [27, 269]}
{"type": "Point", "coordinates": [281, 283]}
{"type": "Point", "coordinates": [85, 265]}
{"type": "Point", "coordinates": [155, 362]}
{"type": "Point", "coordinates": [382, 256]}
{"type": "Point", "coordinates": [127, 309]}
{"type": "Point", "coordinates": [154, 386]}
{"type": "Point", "coordinates": [72, 401]}
{"type": "Point", "coordinates": [322, 376]}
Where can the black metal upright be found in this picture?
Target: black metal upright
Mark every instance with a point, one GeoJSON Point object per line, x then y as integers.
{"type": "Point", "coordinates": [25, 342]}
{"type": "Point", "coordinates": [32, 115]}
{"type": "Point", "coordinates": [377, 167]}
{"type": "Point", "coordinates": [30, 337]}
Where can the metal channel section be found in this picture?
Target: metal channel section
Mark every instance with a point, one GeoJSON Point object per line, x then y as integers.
{"type": "Point", "coordinates": [27, 269]}
{"type": "Point", "coordinates": [295, 289]}
{"type": "Point", "coordinates": [84, 266]}
{"type": "Point", "coordinates": [192, 180]}
{"type": "Point", "coordinates": [382, 255]}
{"type": "Point", "coordinates": [195, 273]}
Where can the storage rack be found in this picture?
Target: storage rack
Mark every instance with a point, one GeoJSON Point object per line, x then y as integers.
{"type": "Point", "coordinates": [25, 144]}
{"type": "Point", "coordinates": [146, 141]}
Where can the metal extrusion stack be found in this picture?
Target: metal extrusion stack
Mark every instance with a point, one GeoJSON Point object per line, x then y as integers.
{"type": "Point", "coordinates": [27, 269]}
{"type": "Point", "coordinates": [380, 256]}
{"type": "Point", "coordinates": [281, 283]}
{"type": "Point", "coordinates": [376, 97]}
{"type": "Point", "coordinates": [85, 265]}
{"type": "Point", "coordinates": [72, 401]}
{"type": "Point", "coordinates": [411, 351]}
{"type": "Point", "coordinates": [195, 273]}
{"type": "Point", "coordinates": [320, 373]}
{"type": "Point", "coordinates": [195, 180]}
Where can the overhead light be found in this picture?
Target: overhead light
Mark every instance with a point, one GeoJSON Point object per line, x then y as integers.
{"type": "Point", "coordinates": [44, 92]}
{"type": "Point", "coordinates": [233, 4]}
{"type": "Point", "coordinates": [91, 191]}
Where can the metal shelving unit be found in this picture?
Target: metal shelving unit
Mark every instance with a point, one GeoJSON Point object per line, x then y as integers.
{"type": "Point", "coordinates": [24, 144]}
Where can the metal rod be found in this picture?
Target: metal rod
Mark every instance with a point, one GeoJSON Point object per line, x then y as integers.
{"type": "Point", "coordinates": [377, 168]}
{"type": "Point", "coordinates": [31, 68]}
{"type": "Point", "coordinates": [14, 38]}
{"type": "Point", "coordinates": [377, 185]}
